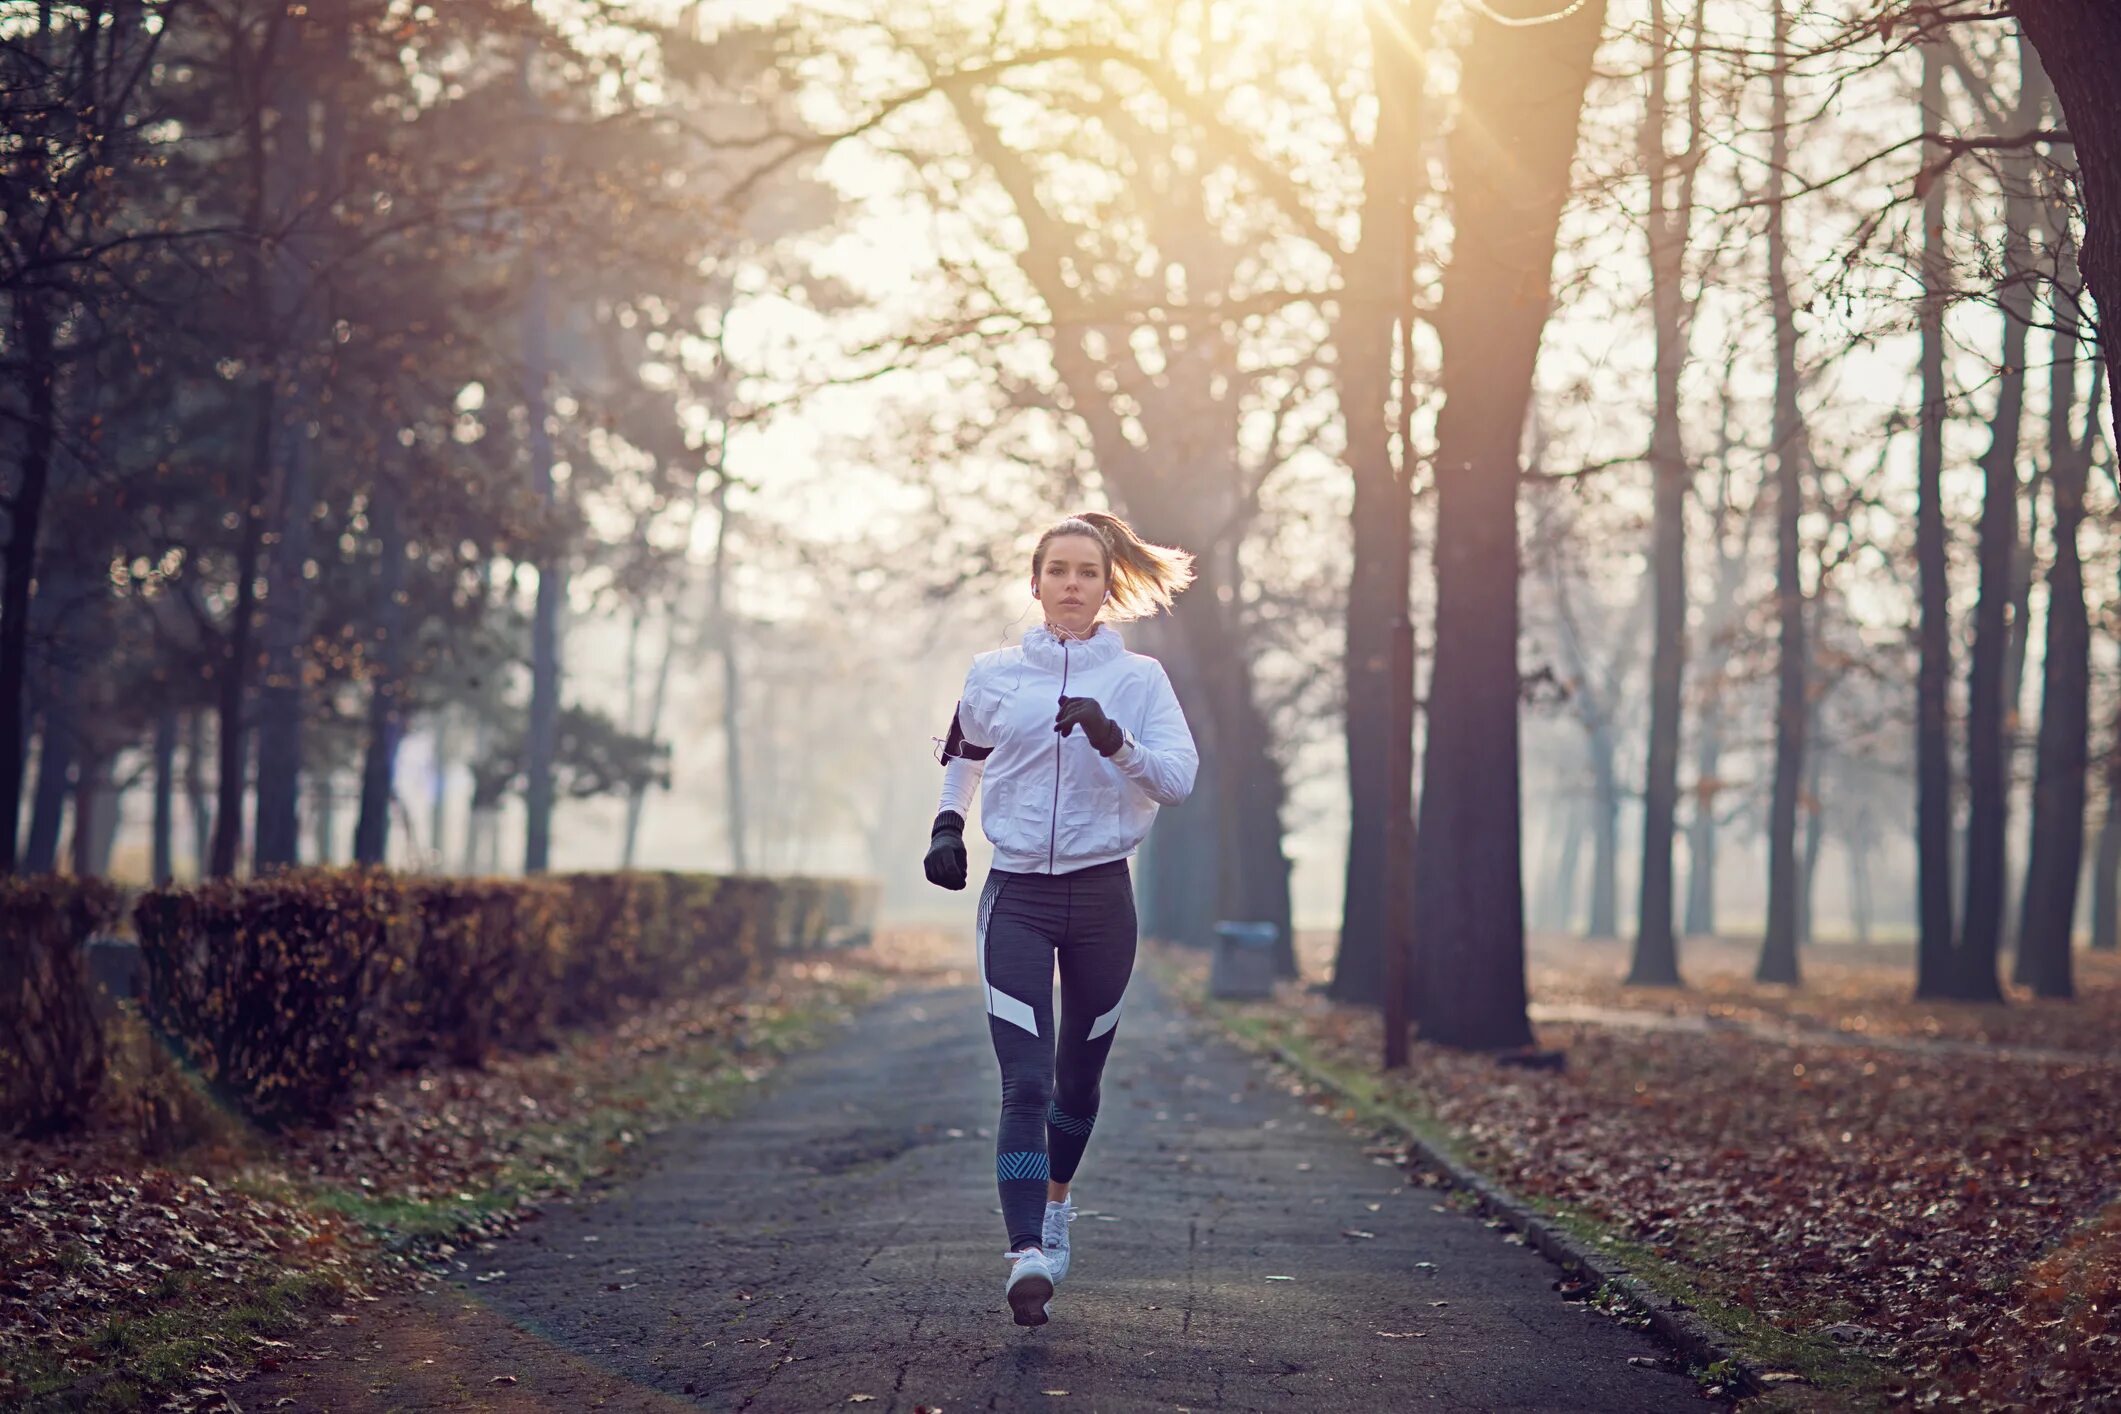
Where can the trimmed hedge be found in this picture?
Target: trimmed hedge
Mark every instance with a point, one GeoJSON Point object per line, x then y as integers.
{"type": "Point", "coordinates": [52, 1050]}
{"type": "Point", "coordinates": [272, 989]}
{"type": "Point", "coordinates": [485, 968]}
{"type": "Point", "coordinates": [283, 993]}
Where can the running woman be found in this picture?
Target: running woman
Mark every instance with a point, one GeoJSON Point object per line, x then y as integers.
{"type": "Point", "coordinates": [1065, 809]}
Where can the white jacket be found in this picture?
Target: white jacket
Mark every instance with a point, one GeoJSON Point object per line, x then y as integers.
{"type": "Point", "coordinates": [1054, 804]}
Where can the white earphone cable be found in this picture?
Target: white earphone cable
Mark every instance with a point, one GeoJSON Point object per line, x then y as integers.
{"type": "Point", "coordinates": [1480, 7]}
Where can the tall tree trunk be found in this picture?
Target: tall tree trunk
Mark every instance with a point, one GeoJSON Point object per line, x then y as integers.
{"type": "Point", "coordinates": [1186, 848]}
{"type": "Point", "coordinates": [324, 805]}
{"type": "Point", "coordinates": [1701, 829]}
{"type": "Point", "coordinates": [721, 616]}
{"type": "Point", "coordinates": [196, 797]}
{"type": "Point", "coordinates": [1778, 952]}
{"type": "Point", "coordinates": [1561, 908]}
{"type": "Point", "coordinates": [386, 691]}
{"type": "Point", "coordinates": [637, 798]}
{"type": "Point", "coordinates": [1814, 840]}
{"type": "Point", "coordinates": [2106, 875]}
{"type": "Point", "coordinates": [1988, 756]}
{"type": "Point", "coordinates": [1859, 860]}
{"type": "Point", "coordinates": [1604, 920]}
{"type": "Point", "coordinates": [165, 825]}
{"type": "Point", "coordinates": [1253, 873]}
{"type": "Point", "coordinates": [90, 772]}
{"type": "Point", "coordinates": [1670, 220]}
{"type": "Point", "coordinates": [55, 767]}
{"type": "Point", "coordinates": [1521, 93]}
{"type": "Point", "coordinates": [2079, 43]}
{"type": "Point", "coordinates": [1935, 947]}
{"type": "Point", "coordinates": [235, 667]}
{"type": "Point", "coordinates": [235, 671]}
{"type": "Point", "coordinates": [1373, 302]}
{"type": "Point", "coordinates": [301, 93]}
{"type": "Point", "coordinates": [438, 807]}
{"type": "Point", "coordinates": [2056, 857]}
{"type": "Point", "coordinates": [37, 339]}
{"type": "Point", "coordinates": [541, 740]}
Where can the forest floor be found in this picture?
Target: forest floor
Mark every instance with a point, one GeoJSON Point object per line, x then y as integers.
{"type": "Point", "coordinates": [1909, 1201]}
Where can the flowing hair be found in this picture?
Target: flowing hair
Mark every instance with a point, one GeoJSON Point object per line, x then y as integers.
{"type": "Point", "coordinates": [1143, 578]}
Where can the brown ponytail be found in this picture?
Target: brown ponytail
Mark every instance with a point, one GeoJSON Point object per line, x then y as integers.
{"type": "Point", "coordinates": [1143, 578]}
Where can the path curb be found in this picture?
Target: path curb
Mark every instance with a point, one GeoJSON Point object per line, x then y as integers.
{"type": "Point", "coordinates": [1673, 1321]}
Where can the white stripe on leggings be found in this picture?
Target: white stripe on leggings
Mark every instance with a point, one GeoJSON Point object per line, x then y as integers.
{"type": "Point", "coordinates": [999, 1003]}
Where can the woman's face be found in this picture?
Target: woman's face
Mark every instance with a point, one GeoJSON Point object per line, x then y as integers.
{"type": "Point", "coordinates": [1071, 583]}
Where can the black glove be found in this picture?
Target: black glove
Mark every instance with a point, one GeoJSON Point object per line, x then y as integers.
{"type": "Point", "coordinates": [1101, 731]}
{"type": "Point", "coordinates": [946, 851]}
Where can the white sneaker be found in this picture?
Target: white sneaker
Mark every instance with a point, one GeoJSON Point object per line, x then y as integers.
{"type": "Point", "coordinates": [1058, 1216]}
{"type": "Point", "coordinates": [1030, 1286]}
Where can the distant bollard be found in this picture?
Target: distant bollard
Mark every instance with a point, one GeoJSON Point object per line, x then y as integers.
{"type": "Point", "coordinates": [114, 970]}
{"type": "Point", "coordinates": [1243, 969]}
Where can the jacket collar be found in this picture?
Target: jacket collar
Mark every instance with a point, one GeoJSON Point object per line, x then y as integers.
{"type": "Point", "coordinates": [1045, 649]}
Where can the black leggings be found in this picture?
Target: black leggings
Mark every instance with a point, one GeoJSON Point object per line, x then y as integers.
{"type": "Point", "coordinates": [1049, 1074]}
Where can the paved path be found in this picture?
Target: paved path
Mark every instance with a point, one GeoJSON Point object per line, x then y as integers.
{"type": "Point", "coordinates": [840, 1239]}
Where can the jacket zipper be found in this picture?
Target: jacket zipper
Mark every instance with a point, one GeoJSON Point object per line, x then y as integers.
{"type": "Point", "coordinates": [1053, 829]}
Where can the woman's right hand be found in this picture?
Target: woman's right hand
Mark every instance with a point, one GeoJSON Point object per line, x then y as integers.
{"type": "Point", "coordinates": [945, 864]}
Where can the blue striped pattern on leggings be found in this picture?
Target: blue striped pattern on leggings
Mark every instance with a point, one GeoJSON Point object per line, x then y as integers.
{"type": "Point", "coordinates": [1067, 1123]}
{"type": "Point", "coordinates": [1025, 1165]}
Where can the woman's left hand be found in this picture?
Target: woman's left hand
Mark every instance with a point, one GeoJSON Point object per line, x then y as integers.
{"type": "Point", "coordinates": [1101, 731]}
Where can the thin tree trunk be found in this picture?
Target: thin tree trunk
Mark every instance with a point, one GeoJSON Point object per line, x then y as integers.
{"type": "Point", "coordinates": [299, 89]}
{"type": "Point", "coordinates": [1521, 95]}
{"type": "Point", "coordinates": [38, 341]}
{"type": "Point", "coordinates": [2055, 860]}
{"type": "Point", "coordinates": [55, 766]}
{"type": "Point", "coordinates": [386, 692]}
{"type": "Point", "coordinates": [1371, 306]}
{"type": "Point", "coordinates": [634, 794]}
{"type": "Point", "coordinates": [1933, 771]}
{"type": "Point", "coordinates": [1656, 961]}
{"type": "Point", "coordinates": [2106, 877]}
{"type": "Point", "coordinates": [195, 792]}
{"type": "Point", "coordinates": [637, 798]}
{"type": "Point", "coordinates": [165, 825]}
{"type": "Point", "coordinates": [1604, 921]}
{"type": "Point", "coordinates": [438, 809]}
{"type": "Point", "coordinates": [1701, 829]}
{"type": "Point", "coordinates": [541, 741]}
{"type": "Point", "coordinates": [1988, 756]}
{"type": "Point", "coordinates": [1566, 876]}
{"type": "Point", "coordinates": [1814, 839]}
{"type": "Point", "coordinates": [324, 801]}
{"type": "Point", "coordinates": [1859, 858]}
{"type": "Point", "coordinates": [1778, 952]}
{"type": "Point", "coordinates": [89, 772]}
{"type": "Point", "coordinates": [722, 617]}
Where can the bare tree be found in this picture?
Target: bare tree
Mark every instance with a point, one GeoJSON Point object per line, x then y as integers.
{"type": "Point", "coordinates": [1521, 96]}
